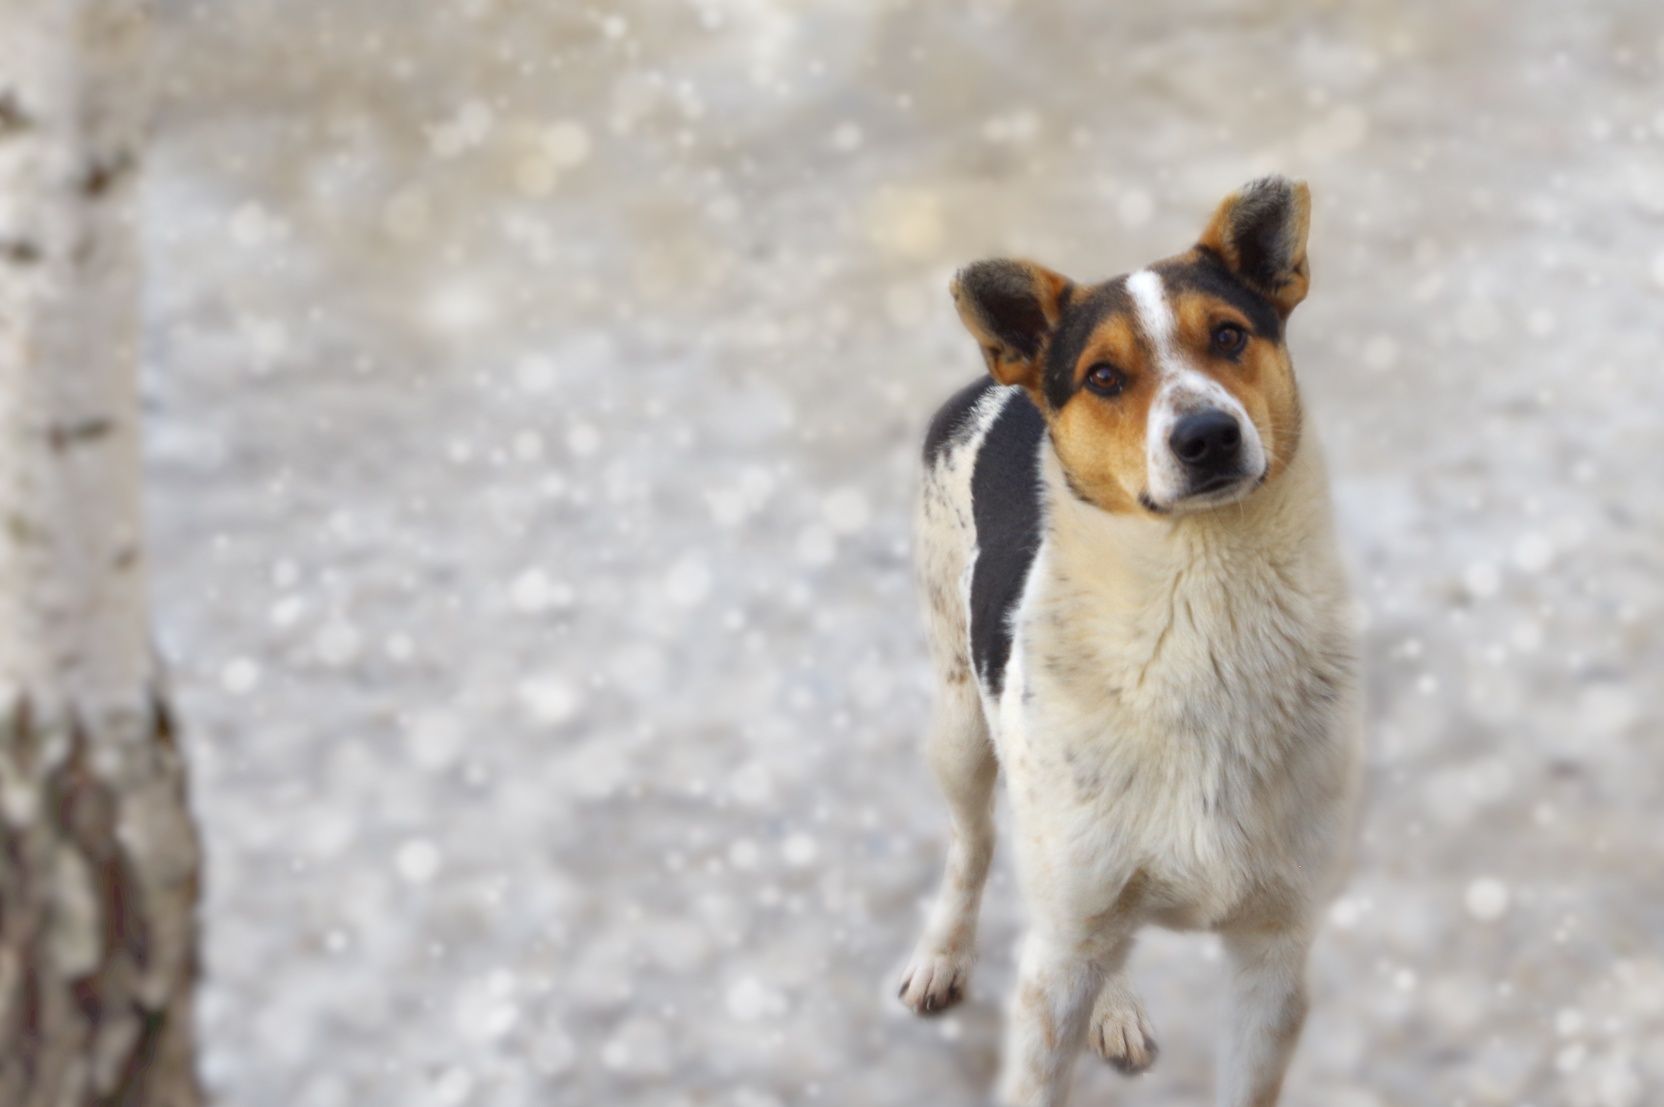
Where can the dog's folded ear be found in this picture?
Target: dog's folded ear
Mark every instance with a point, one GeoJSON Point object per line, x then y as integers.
{"type": "Point", "coordinates": [1011, 308]}
{"type": "Point", "coordinates": [1260, 232]}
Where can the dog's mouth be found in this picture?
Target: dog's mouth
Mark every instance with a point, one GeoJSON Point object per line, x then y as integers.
{"type": "Point", "coordinates": [1215, 483]}
{"type": "Point", "coordinates": [1215, 490]}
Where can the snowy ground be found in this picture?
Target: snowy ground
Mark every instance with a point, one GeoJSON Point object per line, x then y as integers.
{"type": "Point", "coordinates": [534, 399]}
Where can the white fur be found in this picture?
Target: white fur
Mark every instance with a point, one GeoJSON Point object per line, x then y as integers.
{"type": "Point", "coordinates": [1183, 389]}
{"type": "Point", "coordinates": [945, 541]}
{"type": "Point", "coordinates": [1155, 314]}
{"type": "Point", "coordinates": [1180, 735]}
{"type": "Point", "coordinates": [958, 746]}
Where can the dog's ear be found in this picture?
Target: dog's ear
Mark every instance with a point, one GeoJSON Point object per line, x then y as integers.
{"type": "Point", "coordinates": [1260, 232]}
{"type": "Point", "coordinates": [1011, 309]}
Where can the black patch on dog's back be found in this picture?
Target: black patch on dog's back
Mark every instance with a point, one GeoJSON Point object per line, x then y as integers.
{"type": "Point", "coordinates": [1005, 503]}
{"type": "Point", "coordinates": [952, 419]}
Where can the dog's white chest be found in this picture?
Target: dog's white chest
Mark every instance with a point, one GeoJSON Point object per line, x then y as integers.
{"type": "Point", "coordinates": [1163, 729]}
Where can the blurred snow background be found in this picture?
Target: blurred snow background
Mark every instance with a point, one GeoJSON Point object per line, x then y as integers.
{"type": "Point", "coordinates": [534, 393]}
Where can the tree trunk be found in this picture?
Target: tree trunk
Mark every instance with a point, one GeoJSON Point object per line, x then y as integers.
{"type": "Point", "coordinates": [98, 855]}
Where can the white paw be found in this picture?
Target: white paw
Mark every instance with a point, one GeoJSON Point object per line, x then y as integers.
{"type": "Point", "coordinates": [1121, 1034]}
{"type": "Point", "coordinates": [934, 982]}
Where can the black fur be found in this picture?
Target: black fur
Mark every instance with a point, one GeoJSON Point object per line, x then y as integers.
{"type": "Point", "coordinates": [1209, 275]}
{"type": "Point", "coordinates": [1073, 332]}
{"type": "Point", "coordinates": [1150, 505]}
{"type": "Point", "coordinates": [1259, 231]}
{"type": "Point", "coordinates": [1005, 503]}
{"type": "Point", "coordinates": [1001, 292]}
{"type": "Point", "coordinates": [947, 425]}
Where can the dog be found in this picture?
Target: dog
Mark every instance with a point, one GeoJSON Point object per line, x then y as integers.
{"type": "Point", "coordinates": [1137, 609]}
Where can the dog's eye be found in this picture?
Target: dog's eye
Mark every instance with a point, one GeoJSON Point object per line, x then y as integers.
{"type": "Point", "coordinates": [1105, 379]}
{"type": "Point", "coordinates": [1229, 339]}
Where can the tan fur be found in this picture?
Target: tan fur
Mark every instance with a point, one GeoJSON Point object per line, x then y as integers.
{"type": "Point", "coordinates": [1102, 446]}
{"type": "Point", "coordinates": [1262, 380]}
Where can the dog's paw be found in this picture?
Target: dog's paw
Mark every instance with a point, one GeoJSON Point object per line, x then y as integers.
{"type": "Point", "coordinates": [934, 982]}
{"type": "Point", "coordinates": [1121, 1033]}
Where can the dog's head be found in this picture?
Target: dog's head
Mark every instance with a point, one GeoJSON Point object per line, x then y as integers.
{"type": "Point", "coordinates": [1168, 390]}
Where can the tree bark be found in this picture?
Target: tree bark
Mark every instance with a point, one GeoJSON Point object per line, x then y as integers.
{"type": "Point", "coordinates": [99, 859]}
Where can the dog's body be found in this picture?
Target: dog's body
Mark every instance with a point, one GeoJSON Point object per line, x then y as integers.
{"type": "Point", "coordinates": [1157, 645]}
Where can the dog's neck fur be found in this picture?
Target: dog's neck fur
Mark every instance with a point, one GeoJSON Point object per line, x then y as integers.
{"type": "Point", "coordinates": [1278, 528]}
{"type": "Point", "coordinates": [1192, 624]}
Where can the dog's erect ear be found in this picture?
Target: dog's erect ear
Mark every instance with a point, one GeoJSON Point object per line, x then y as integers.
{"type": "Point", "coordinates": [1260, 231]}
{"type": "Point", "coordinates": [1011, 309]}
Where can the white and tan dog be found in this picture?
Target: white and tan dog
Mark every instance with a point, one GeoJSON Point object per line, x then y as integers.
{"type": "Point", "coordinates": [1137, 609]}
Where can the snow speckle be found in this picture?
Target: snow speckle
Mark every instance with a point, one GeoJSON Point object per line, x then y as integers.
{"type": "Point", "coordinates": [847, 511]}
{"type": "Point", "coordinates": [1017, 127]}
{"type": "Point", "coordinates": [532, 591]}
{"type": "Point", "coordinates": [1487, 899]}
{"type": "Point", "coordinates": [1479, 320]}
{"type": "Point", "coordinates": [583, 439]}
{"type": "Point", "coordinates": [568, 143]}
{"type": "Point", "coordinates": [799, 850]}
{"type": "Point", "coordinates": [418, 861]}
{"type": "Point", "coordinates": [1380, 352]}
{"type": "Point", "coordinates": [1339, 131]}
{"type": "Point", "coordinates": [1569, 1022]}
{"type": "Point", "coordinates": [908, 222]}
{"type": "Point", "coordinates": [407, 214]}
{"type": "Point", "coordinates": [466, 129]}
{"type": "Point", "coordinates": [847, 137]}
{"type": "Point", "coordinates": [240, 675]}
{"type": "Point", "coordinates": [749, 1000]}
{"type": "Point", "coordinates": [548, 698]}
{"type": "Point", "coordinates": [252, 225]}
{"type": "Point", "coordinates": [337, 642]}
{"type": "Point", "coordinates": [816, 545]}
{"type": "Point", "coordinates": [1482, 579]}
{"type": "Point", "coordinates": [435, 740]}
{"type": "Point", "coordinates": [535, 374]}
{"type": "Point", "coordinates": [459, 307]}
{"type": "Point", "coordinates": [688, 582]}
{"type": "Point", "coordinates": [1134, 208]}
{"type": "Point", "coordinates": [1533, 552]}
{"type": "Point", "coordinates": [743, 854]}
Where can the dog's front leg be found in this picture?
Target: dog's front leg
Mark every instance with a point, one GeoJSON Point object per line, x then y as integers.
{"type": "Point", "coordinates": [1059, 976]}
{"type": "Point", "coordinates": [1264, 1013]}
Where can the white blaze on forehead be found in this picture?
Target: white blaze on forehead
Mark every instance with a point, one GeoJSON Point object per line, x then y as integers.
{"type": "Point", "coordinates": [1182, 388]}
{"type": "Point", "coordinates": [1155, 314]}
{"type": "Point", "coordinates": [1155, 318]}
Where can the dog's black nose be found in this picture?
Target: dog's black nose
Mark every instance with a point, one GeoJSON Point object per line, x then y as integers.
{"type": "Point", "coordinates": [1206, 439]}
